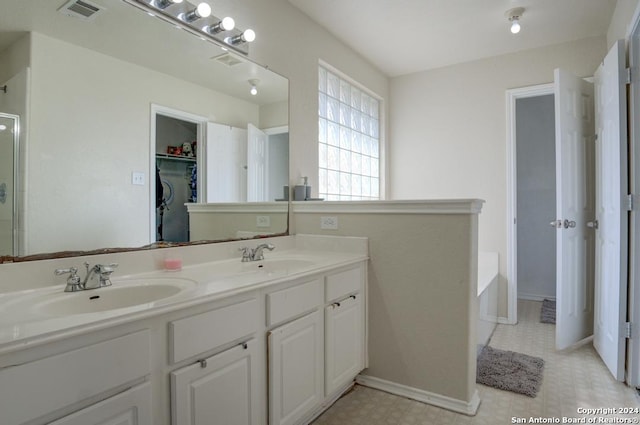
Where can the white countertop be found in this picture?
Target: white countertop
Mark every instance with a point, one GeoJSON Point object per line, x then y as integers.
{"type": "Point", "coordinates": [23, 324]}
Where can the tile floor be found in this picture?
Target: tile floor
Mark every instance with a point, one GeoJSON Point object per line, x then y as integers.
{"type": "Point", "coordinates": [573, 379]}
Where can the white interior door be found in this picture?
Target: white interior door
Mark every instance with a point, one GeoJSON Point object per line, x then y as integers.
{"type": "Point", "coordinates": [611, 190]}
{"type": "Point", "coordinates": [575, 205]}
{"type": "Point", "coordinates": [226, 156]}
{"type": "Point", "coordinates": [256, 165]}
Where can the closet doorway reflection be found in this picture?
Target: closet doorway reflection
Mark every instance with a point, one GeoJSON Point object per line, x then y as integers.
{"type": "Point", "coordinates": [178, 138]}
{"type": "Point", "coordinates": [9, 134]}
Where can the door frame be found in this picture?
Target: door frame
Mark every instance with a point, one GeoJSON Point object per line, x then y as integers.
{"type": "Point", "coordinates": [512, 95]}
{"type": "Point", "coordinates": [633, 346]}
{"type": "Point", "coordinates": [201, 123]}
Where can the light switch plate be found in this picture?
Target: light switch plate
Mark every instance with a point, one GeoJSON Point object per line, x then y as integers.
{"type": "Point", "coordinates": [329, 223]}
{"type": "Point", "coordinates": [263, 221]}
{"type": "Point", "coordinates": [137, 178]}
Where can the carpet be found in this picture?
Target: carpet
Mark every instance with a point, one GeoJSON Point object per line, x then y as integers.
{"type": "Point", "coordinates": [548, 311]}
{"type": "Point", "coordinates": [510, 371]}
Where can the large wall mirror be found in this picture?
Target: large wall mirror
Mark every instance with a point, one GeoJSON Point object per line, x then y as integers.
{"type": "Point", "coordinates": [114, 107]}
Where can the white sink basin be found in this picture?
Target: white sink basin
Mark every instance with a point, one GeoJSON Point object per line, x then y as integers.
{"type": "Point", "coordinates": [268, 265]}
{"type": "Point", "coordinates": [122, 294]}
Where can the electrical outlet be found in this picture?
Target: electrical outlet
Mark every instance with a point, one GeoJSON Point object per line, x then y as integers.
{"type": "Point", "coordinates": [137, 178]}
{"type": "Point", "coordinates": [263, 221]}
{"type": "Point", "coordinates": [329, 223]}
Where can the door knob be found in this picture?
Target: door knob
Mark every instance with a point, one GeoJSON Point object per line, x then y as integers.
{"type": "Point", "coordinates": [556, 223]}
{"type": "Point", "coordinates": [569, 224]}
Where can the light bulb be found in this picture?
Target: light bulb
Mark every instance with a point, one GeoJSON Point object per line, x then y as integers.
{"type": "Point", "coordinates": [249, 35]}
{"type": "Point", "coordinates": [227, 24]}
{"type": "Point", "coordinates": [254, 86]}
{"type": "Point", "coordinates": [246, 37]}
{"type": "Point", "coordinates": [203, 10]}
{"type": "Point", "coordinates": [515, 26]}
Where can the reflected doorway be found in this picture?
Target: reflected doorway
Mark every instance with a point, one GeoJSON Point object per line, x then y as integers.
{"type": "Point", "coordinates": [177, 149]}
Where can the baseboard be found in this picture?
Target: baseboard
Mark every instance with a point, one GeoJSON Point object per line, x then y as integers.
{"type": "Point", "coordinates": [506, 321]}
{"type": "Point", "coordinates": [327, 403]}
{"type": "Point", "coordinates": [460, 406]}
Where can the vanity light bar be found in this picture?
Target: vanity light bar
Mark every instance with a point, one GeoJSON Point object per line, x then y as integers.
{"type": "Point", "coordinates": [198, 20]}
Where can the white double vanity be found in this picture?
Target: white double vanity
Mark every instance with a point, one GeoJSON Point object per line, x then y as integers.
{"type": "Point", "coordinates": [219, 342]}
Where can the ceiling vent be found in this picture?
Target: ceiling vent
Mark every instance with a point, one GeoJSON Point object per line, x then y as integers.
{"type": "Point", "coordinates": [81, 9]}
{"type": "Point", "coordinates": [228, 59]}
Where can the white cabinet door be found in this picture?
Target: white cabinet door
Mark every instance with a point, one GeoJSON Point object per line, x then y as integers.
{"type": "Point", "coordinates": [132, 407]}
{"type": "Point", "coordinates": [295, 369]}
{"type": "Point", "coordinates": [219, 390]}
{"type": "Point", "coordinates": [343, 342]}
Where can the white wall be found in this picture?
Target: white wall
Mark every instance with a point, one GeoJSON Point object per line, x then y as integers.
{"type": "Point", "coordinates": [448, 133]}
{"type": "Point", "coordinates": [536, 198]}
{"type": "Point", "coordinates": [621, 19]}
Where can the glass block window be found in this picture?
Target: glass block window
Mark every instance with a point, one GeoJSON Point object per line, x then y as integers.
{"type": "Point", "coordinates": [349, 140]}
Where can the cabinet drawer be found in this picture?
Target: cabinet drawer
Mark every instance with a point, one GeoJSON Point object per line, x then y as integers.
{"type": "Point", "coordinates": [132, 407]}
{"type": "Point", "coordinates": [343, 283]}
{"type": "Point", "coordinates": [31, 390]}
{"type": "Point", "coordinates": [294, 301]}
{"type": "Point", "coordinates": [196, 334]}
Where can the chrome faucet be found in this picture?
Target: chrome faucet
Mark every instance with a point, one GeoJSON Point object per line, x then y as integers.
{"type": "Point", "coordinates": [97, 276]}
{"type": "Point", "coordinates": [255, 254]}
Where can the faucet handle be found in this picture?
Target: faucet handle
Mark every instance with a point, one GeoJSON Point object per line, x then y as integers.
{"type": "Point", "coordinates": [106, 268]}
{"type": "Point", "coordinates": [71, 270]}
{"type": "Point", "coordinates": [73, 281]}
{"type": "Point", "coordinates": [247, 253]}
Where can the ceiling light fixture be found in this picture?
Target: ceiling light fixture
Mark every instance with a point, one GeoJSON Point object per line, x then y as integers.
{"type": "Point", "coordinates": [246, 37]}
{"type": "Point", "coordinates": [203, 10]}
{"type": "Point", "coordinates": [226, 24]}
{"type": "Point", "coordinates": [163, 4]}
{"type": "Point", "coordinates": [514, 16]}
{"type": "Point", "coordinates": [254, 88]}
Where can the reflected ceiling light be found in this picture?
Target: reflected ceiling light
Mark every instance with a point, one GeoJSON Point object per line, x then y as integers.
{"type": "Point", "coordinates": [246, 37]}
{"type": "Point", "coordinates": [203, 10]}
{"type": "Point", "coordinates": [254, 87]}
{"type": "Point", "coordinates": [514, 16]}
{"type": "Point", "coordinates": [226, 24]}
{"type": "Point", "coordinates": [163, 4]}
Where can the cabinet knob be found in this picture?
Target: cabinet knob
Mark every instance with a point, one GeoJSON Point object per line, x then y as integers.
{"type": "Point", "coordinates": [244, 345]}
{"type": "Point", "coordinates": [203, 363]}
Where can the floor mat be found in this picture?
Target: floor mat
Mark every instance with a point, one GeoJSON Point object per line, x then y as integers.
{"type": "Point", "coordinates": [510, 371]}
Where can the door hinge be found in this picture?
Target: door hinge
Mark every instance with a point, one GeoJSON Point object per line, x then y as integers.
{"type": "Point", "coordinates": [627, 330]}
{"type": "Point", "coordinates": [628, 76]}
{"type": "Point", "coordinates": [630, 202]}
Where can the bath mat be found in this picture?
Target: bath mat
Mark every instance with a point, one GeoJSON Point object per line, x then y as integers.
{"type": "Point", "coordinates": [548, 311]}
{"type": "Point", "coordinates": [510, 371]}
